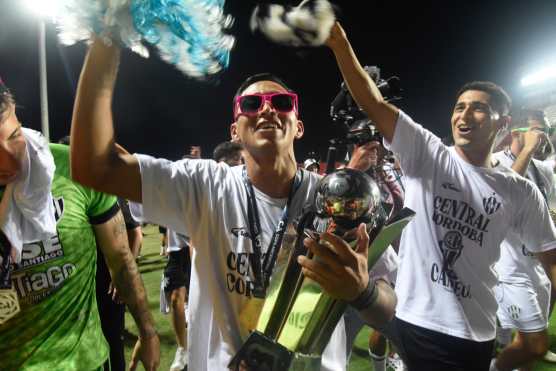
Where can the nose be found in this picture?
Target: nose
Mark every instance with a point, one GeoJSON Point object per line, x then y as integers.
{"type": "Point", "coordinates": [267, 106]}
{"type": "Point", "coordinates": [466, 113]}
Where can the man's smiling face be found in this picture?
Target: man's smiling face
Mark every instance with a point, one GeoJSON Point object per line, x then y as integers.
{"type": "Point", "coordinates": [268, 128]}
{"type": "Point", "coordinates": [474, 120]}
{"type": "Point", "coordinates": [12, 146]}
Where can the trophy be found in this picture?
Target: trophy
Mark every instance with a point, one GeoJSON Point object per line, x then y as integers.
{"type": "Point", "coordinates": [295, 321]}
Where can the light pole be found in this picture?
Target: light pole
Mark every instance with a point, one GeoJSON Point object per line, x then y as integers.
{"type": "Point", "coordinates": [43, 80]}
{"type": "Point", "coordinates": [43, 9]}
{"type": "Point", "coordinates": [539, 90]}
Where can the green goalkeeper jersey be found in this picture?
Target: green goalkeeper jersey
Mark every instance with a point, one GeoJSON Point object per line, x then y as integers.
{"type": "Point", "coordinates": [58, 327]}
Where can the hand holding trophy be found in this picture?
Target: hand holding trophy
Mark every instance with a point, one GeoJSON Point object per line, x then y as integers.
{"type": "Point", "coordinates": [343, 201]}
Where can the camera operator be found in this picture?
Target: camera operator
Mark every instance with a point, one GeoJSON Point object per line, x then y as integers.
{"type": "Point", "coordinates": [465, 205]}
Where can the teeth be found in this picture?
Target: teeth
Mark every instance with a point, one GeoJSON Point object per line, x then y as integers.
{"type": "Point", "coordinates": [268, 126]}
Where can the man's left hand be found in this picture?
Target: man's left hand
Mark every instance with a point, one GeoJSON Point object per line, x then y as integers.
{"type": "Point", "coordinates": [147, 349]}
{"type": "Point", "coordinates": [336, 267]}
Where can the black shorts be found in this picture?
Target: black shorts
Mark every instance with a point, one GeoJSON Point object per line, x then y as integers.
{"type": "Point", "coordinates": [427, 350]}
{"type": "Point", "coordinates": [162, 229]}
{"type": "Point", "coordinates": [178, 270]}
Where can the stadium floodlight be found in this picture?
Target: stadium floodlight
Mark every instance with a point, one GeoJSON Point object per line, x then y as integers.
{"type": "Point", "coordinates": [43, 8]}
{"type": "Point", "coordinates": [542, 75]}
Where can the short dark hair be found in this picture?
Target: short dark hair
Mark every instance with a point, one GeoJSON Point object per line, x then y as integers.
{"type": "Point", "coordinates": [265, 76]}
{"type": "Point", "coordinates": [500, 99]}
{"type": "Point", "coordinates": [226, 150]}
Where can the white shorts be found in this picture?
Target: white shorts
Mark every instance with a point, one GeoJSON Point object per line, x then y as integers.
{"type": "Point", "coordinates": [522, 306]}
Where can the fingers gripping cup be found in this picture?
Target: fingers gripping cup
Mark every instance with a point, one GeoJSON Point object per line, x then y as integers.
{"type": "Point", "coordinates": [297, 318]}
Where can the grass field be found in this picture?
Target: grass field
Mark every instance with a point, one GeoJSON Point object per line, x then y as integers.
{"type": "Point", "coordinates": [151, 265]}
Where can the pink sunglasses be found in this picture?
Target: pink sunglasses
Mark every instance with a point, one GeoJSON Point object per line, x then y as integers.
{"type": "Point", "coordinates": [252, 104]}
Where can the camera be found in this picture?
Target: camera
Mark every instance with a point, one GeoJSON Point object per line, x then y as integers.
{"type": "Point", "coordinates": [363, 131]}
{"type": "Point", "coordinates": [358, 129]}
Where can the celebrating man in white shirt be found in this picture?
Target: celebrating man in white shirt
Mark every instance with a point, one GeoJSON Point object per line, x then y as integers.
{"type": "Point", "coordinates": [465, 205]}
{"type": "Point", "coordinates": [523, 291]}
{"type": "Point", "coordinates": [210, 202]}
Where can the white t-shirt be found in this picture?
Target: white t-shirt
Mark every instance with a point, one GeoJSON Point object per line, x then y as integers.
{"type": "Point", "coordinates": [517, 264]}
{"type": "Point", "coordinates": [208, 201]}
{"type": "Point", "coordinates": [447, 253]}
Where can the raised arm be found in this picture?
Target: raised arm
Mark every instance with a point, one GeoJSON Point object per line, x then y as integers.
{"type": "Point", "coordinates": [95, 160]}
{"type": "Point", "coordinates": [532, 141]}
{"type": "Point", "coordinates": [362, 88]}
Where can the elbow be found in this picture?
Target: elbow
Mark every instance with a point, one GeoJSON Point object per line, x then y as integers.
{"type": "Point", "coordinates": [79, 173]}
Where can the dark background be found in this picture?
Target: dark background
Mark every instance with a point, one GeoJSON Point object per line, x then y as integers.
{"type": "Point", "coordinates": [433, 46]}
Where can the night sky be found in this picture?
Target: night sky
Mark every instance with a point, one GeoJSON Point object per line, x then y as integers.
{"type": "Point", "coordinates": [433, 49]}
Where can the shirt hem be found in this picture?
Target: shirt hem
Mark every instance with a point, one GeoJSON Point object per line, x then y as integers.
{"type": "Point", "coordinates": [446, 331]}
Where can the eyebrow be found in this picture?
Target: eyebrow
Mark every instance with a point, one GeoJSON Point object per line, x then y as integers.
{"type": "Point", "coordinates": [472, 103]}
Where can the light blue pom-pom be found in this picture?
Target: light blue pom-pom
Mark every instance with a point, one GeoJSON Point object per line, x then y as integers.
{"type": "Point", "coordinates": [189, 34]}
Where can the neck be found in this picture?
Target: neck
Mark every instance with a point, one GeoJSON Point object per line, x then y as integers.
{"type": "Point", "coordinates": [476, 157]}
{"type": "Point", "coordinates": [272, 175]}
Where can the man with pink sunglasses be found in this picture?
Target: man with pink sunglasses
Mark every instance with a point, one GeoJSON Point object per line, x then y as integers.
{"type": "Point", "coordinates": [232, 214]}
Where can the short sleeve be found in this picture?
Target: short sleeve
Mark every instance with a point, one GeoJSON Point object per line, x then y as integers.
{"type": "Point", "coordinates": [414, 145]}
{"type": "Point", "coordinates": [176, 194]}
{"type": "Point", "coordinates": [102, 207]}
{"type": "Point", "coordinates": [533, 222]}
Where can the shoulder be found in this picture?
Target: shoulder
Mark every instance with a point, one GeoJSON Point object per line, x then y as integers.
{"type": "Point", "coordinates": [60, 153]}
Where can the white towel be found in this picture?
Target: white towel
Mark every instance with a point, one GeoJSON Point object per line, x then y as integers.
{"type": "Point", "coordinates": [26, 209]}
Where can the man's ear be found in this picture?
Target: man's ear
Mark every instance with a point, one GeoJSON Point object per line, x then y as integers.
{"type": "Point", "coordinates": [233, 133]}
{"type": "Point", "coordinates": [300, 130]}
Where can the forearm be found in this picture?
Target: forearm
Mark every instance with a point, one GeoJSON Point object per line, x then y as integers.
{"type": "Point", "coordinates": [363, 89]}
{"type": "Point", "coordinates": [112, 239]}
{"type": "Point", "coordinates": [135, 238]}
{"type": "Point", "coordinates": [522, 161]}
{"type": "Point", "coordinates": [95, 159]}
{"type": "Point", "coordinates": [383, 309]}
{"type": "Point", "coordinates": [92, 114]}
{"type": "Point", "coordinates": [127, 280]}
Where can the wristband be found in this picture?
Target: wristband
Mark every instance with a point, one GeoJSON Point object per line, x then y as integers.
{"type": "Point", "coordinates": [366, 298]}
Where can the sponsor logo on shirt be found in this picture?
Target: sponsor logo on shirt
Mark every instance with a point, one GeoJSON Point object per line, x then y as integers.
{"type": "Point", "coordinates": [491, 205]}
{"type": "Point", "coordinates": [450, 186]}
{"type": "Point", "coordinates": [32, 287]}
{"type": "Point", "coordinates": [35, 286]}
